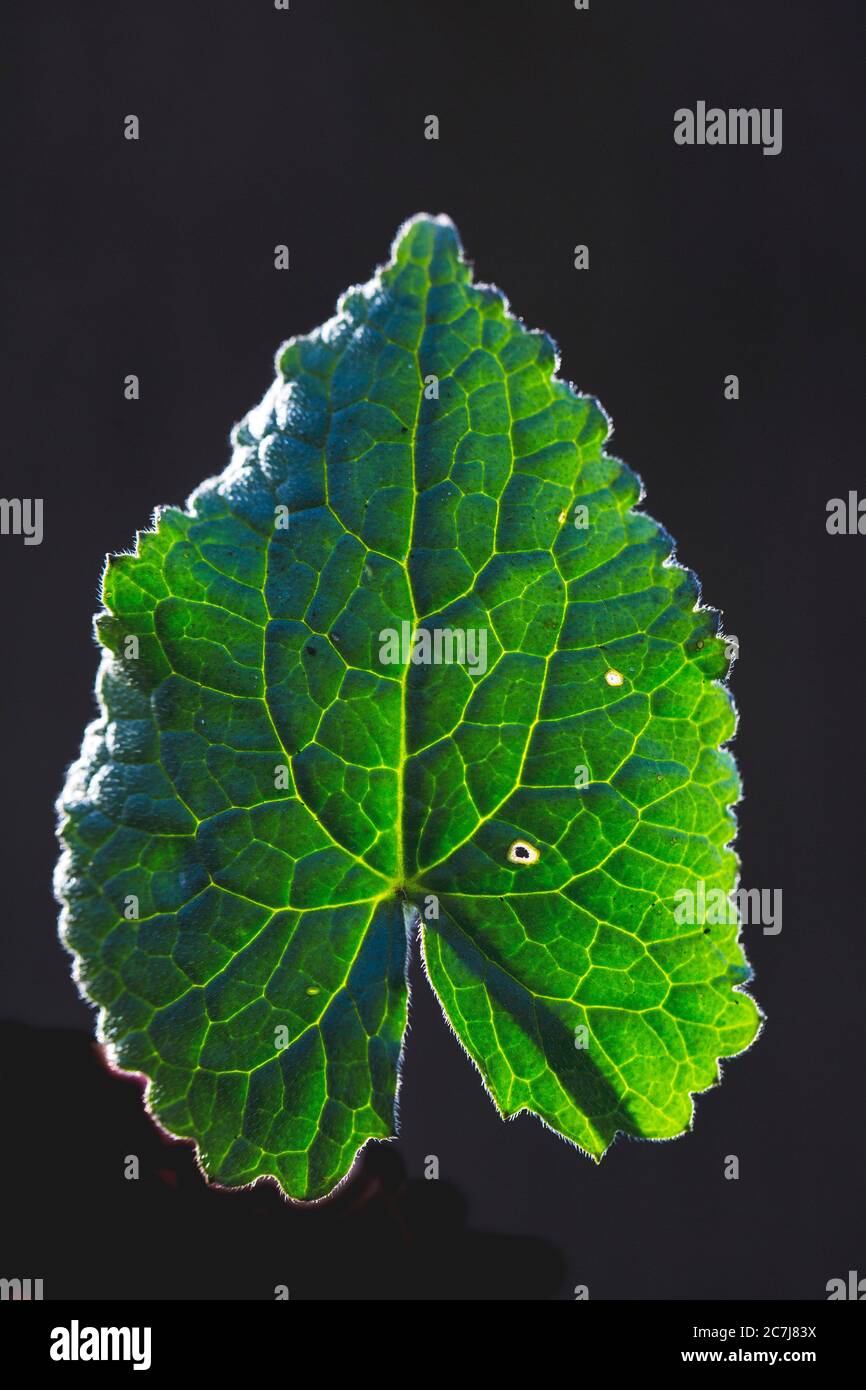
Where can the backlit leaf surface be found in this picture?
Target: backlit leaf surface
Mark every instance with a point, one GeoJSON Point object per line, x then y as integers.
{"type": "Point", "coordinates": [266, 809]}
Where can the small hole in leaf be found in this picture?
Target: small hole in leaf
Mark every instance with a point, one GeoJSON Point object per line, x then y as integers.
{"type": "Point", "coordinates": [614, 677]}
{"type": "Point", "coordinates": [522, 853]}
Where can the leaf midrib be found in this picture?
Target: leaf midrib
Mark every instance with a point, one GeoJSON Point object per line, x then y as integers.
{"type": "Point", "coordinates": [413, 442]}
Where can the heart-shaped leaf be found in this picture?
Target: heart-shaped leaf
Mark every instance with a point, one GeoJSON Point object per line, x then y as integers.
{"type": "Point", "coordinates": [412, 658]}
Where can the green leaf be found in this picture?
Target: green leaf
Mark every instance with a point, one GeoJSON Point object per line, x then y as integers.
{"type": "Point", "coordinates": [267, 806]}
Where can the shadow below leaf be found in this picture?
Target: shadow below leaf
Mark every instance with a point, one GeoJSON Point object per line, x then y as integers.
{"type": "Point", "coordinates": [91, 1233]}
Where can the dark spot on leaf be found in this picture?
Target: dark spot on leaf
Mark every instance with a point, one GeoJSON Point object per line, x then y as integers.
{"type": "Point", "coordinates": [522, 853]}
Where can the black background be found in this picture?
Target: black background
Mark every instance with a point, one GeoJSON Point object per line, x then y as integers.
{"type": "Point", "coordinates": [306, 128]}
